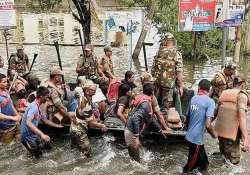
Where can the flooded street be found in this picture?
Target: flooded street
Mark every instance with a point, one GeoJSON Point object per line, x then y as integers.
{"type": "Point", "coordinates": [109, 154]}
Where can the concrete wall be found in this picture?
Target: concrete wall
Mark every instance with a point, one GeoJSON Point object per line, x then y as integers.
{"type": "Point", "coordinates": [108, 3]}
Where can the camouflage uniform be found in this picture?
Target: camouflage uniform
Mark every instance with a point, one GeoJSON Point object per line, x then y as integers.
{"type": "Point", "coordinates": [219, 83]}
{"type": "Point", "coordinates": [20, 64]}
{"type": "Point", "coordinates": [90, 67]}
{"type": "Point", "coordinates": [78, 132]}
{"type": "Point", "coordinates": [165, 67]}
{"type": "Point", "coordinates": [56, 97]}
{"type": "Point", "coordinates": [106, 62]}
{"type": "Point", "coordinates": [107, 65]}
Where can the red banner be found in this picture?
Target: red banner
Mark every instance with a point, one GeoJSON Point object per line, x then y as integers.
{"type": "Point", "coordinates": [196, 15]}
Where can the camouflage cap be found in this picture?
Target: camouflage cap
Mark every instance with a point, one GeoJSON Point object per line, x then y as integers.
{"type": "Point", "coordinates": [147, 77]}
{"type": "Point", "coordinates": [169, 36]}
{"type": "Point", "coordinates": [107, 48]}
{"type": "Point", "coordinates": [56, 71]}
{"type": "Point", "coordinates": [228, 63]}
{"type": "Point", "coordinates": [19, 47]}
{"type": "Point", "coordinates": [88, 47]}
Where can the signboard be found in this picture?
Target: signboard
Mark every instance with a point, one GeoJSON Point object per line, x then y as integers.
{"type": "Point", "coordinates": [229, 15]}
{"type": "Point", "coordinates": [7, 14]}
{"type": "Point", "coordinates": [196, 15]}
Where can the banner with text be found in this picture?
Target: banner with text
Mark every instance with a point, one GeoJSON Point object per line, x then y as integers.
{"type": "Point", "coordinates": [196, 15]}
{"type": "Point", "coordinates": [229, 15]}
{"type": "Point", "coordinates": [7, 14]}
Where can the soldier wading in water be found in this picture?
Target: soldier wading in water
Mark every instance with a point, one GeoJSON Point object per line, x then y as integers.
{"type": "Point", "coordinates": [167, 69]}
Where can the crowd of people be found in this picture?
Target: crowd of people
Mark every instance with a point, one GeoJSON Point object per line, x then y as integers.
{"type": "Point", "coordinates": [220, 106]}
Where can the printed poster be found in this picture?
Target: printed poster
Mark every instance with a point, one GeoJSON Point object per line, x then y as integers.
{"type": "Point", "coordinates": [7, 14]}
{"type": "Point", "coordinates": [196, 15]}
{"type": "Point", "coordinates": [229, 15]}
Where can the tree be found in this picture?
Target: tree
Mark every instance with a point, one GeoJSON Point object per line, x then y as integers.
{"type": "Point", "coordinates": [166, 20]}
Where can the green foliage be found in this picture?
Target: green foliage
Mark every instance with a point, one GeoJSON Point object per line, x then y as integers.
{"type": "Point", "coordinates": [166, 20]}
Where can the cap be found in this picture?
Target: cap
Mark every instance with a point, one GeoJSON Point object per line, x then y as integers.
{"type": "Point", "coordinates": [56, 71]}
{"type": "Point", "coordinates": [147, 77]}
{"type": "Point", "coordinates": [107, 48]}
{"type": "Point", "coordinates": [19, 47]}
{"type": "Point", "coordinates": [169, 36]}
{"type": "Point", "coordinates": [228, 63]}
{"type": "Point", "coordinates": [88, 47]}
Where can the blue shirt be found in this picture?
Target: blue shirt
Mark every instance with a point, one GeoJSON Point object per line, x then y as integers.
{"type": "Point", "coordinates": [201, 108]}
{"type": "Point", "coordinates": [6, 108]}
{"type": "Point", "coordinates": [73, 104]}
{"type": "Point", "coordinates": [32, 111]}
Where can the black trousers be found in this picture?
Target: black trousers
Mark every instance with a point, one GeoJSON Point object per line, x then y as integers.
{"type": "Point", "coordinates": [35, 147]}
{"type": "Point", "coordinates": [197, 158]}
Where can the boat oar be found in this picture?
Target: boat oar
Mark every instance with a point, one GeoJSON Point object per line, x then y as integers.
{"type": "Point", "coordinates": [80, 36]}
{"type": "Point", "coordinates": [60, 65]}
{"type": "Point", "coordinates": [33, 61]}
{"type": "Point", "coordinates": [13, 81]}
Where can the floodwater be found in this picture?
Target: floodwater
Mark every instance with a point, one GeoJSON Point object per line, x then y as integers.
{"type": "Point", "coordinates": [109, 154]}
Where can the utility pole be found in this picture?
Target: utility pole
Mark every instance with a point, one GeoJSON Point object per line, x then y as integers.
{"type": "Point", "coordinates": [237, 45]}
{"type": "Point", "coordinates": [224, 45]}
{"type": "Point", "coordinates": [144, 31]}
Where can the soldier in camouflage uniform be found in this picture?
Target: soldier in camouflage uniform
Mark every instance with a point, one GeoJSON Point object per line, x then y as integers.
{"type": "Point", "coordinates": [19, 61]}
{"type": "Point", "coordinates": [167, 69]}
{"type": "Point", "coordinates": [88, 65]}
{"type": "Point", "coordinates": [223, 80]}
{"type": "Point", "coordinates": [106, 64]}
{"type": "Point", "coordinates": [57, 110]}
{"type": "Point", "coordinates": [84, 118]}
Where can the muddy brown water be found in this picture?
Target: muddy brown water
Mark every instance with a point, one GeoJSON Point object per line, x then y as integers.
{"type": "Point", "coordinates": [109, 155]}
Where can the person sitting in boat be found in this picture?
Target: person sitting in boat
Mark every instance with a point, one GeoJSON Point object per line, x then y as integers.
{"type": "Point", "coordinates": [84, 119]}
{"type": "Point", "coordinates": [33, 139]}
{"type": "Point", "coordinates": [106, 64]}
{"type": "Point", "coordinates": [99, 99]}
{"type": "Point", "coordinates": [147, 78]}
{"type": "Point", "coordinates": [22, 102]}
{"type": "Point", "coordinates": [87, 64]}
{"type": "Point", "coordinates": [129, 79]}
{"type": "Point", "coordinates": [139, 119]}
{"type": "Point", "coordinates": [9, 117]}
{"type": "Point", "coordinates": [19, 61]}
{"type": "Point", "coordinates": [16, 82]}
{"type": "Point", "coordinates": [57, 110]}
{"type": "Point", "coordinates": [123, 103]}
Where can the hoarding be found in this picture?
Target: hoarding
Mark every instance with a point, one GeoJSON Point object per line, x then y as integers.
{"type": "Point", "coordinates": [196, 15]}
{"type": "Point", "coordinates": [7, 14]}
{"type": "Point", "coordinates": [229, 15]}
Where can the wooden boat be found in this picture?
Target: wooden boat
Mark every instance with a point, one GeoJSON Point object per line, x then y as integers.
{"type": "Point", "coordinates": [116, 127]}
